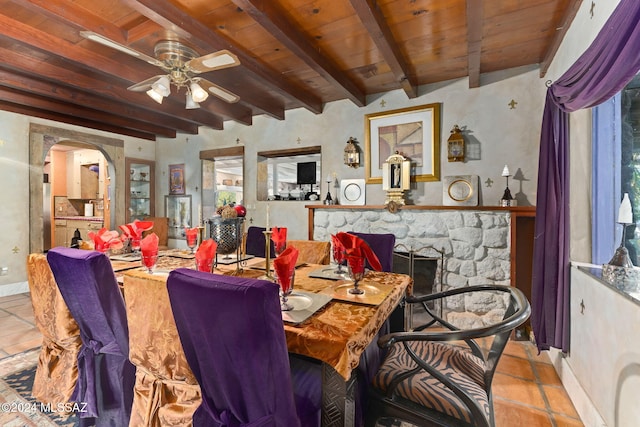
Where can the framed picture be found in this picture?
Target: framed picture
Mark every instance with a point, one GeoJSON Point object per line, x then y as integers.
{"type": "Point", "coordinates": [413, 132]}
{"type": "Point", "coordinates": [176, 179]}
{"type": "Point", "coordinates": [178, 210]}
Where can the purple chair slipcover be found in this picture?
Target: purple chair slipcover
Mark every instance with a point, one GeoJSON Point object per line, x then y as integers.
{"type": "Point", "coordinates": [382, 245]}
{"type": "Point", "coordinates": [255, 242]}
{"type": "Point", "coordinates": [233, 337]}
{"type": "Point", "coordinates": [105, 375]}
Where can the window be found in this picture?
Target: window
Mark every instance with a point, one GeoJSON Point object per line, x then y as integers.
{"type": "Point", "coordinates": [222, 179]}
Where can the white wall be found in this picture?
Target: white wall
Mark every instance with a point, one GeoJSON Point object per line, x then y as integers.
{"type": "Point", "coordinates": [505, 136]}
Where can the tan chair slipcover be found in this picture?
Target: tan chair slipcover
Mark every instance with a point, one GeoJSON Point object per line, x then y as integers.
{"type": "Point", "coordinates": [166, 393]}
{"type": "Point", "coordinates": [161, 228]}
{"type": "Point", "coordinates": [57, 370]}
{"type": "Point", "coordinates": [312, 251]}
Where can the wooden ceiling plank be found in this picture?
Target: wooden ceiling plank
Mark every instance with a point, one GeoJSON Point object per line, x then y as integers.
{"type": "Point", "coordinates": [569, 15]}
{"type": "Point", "coordinates": [62, 118]}
{"type": "Point", "coordinates": [474, 40]}
{"type": "Point", "coordinates": [372, 18]}
{"type": "Point", "coordinates": [171, 18]}
{"type": "Point", "coordinates": [272, 19]}
{"type": "Point", "coordinates": [22, 98]}
{"type": "Point", "coordinates": [66, 94]}
{"type": "Point", "coordinates": [59, 75]}
{"type": "Point", "coordinates": [106, 66]}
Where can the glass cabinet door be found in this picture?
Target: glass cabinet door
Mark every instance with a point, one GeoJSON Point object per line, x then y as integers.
{"type": "Point", "coordinates": [140, 189]}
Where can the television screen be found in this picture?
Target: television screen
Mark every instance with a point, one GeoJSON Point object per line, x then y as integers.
{"type": "Point", "coordinates": [306, 173]}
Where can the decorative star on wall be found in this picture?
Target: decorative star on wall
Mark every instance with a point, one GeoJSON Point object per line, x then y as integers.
{"type": "Point", "coordinates": [299, 140]}
{"type": "Point", "coordinates": [488, 182]}
{"type": "Point", "coordinates": [139, 148]}
{"type": "Point", "coordinates": [383, 103]}
{"type": "Point", "coordinates": [237, 140]}
{"type": "Point", "coordinates": [15, 249]}
{"type": "Point", "coordinates": [196, 188]}
{"type": "Point", "coordinates": [512, 104]}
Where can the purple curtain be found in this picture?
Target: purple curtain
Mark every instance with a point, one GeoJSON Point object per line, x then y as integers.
{"type": "Point", "coordinates": [603, 70]}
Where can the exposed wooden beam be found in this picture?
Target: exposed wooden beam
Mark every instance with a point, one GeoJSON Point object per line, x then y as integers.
{"type": "Point", "coordinates": [174, 19]}
{"type": "Point", "coordinates": [373, 19]}
{"type": "Point", "coordinates": [41, 103]}
{"type": "Point", "coordinates": [272, 18]}
{"type": "Point", "coordinates": [171, 113]}
{"type": "Point", "coordinates": [567, 19]}
{"type": "Point", "coordinates": [62, 118]}
{"type": "Point", "coordinates": [474, 40]}
{"type": "Point", "coordinates": [107, 66]}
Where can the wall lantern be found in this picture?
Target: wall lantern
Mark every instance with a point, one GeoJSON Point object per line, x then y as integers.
{"type": "Point", "coordinates": [352, 153]}
{"type": "Point", "coordinates": [455, 145]}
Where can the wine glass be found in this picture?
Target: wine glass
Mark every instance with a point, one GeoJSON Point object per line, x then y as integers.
{"type": "Point", "coordinates": [356, 272]}
{"type": "Point", "coordinates": [338, 257]}
{"type": "Point", "coordinates": [135, 245]}
{"type": "Point", "coordinates": [280, 247]}
{"type": "Point", "coordinates": [192, 238]}
{"type": "Point", "coordinates": [285, 291]}
{"type": "Point", "coordinates": [149, 260]}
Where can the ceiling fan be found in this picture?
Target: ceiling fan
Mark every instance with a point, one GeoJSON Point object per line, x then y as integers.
{"type": "Point", "coordinates": [182, 64]}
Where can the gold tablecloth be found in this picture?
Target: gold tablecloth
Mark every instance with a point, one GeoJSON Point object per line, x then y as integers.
{"type": "Point", "coordinates": [336, 335]}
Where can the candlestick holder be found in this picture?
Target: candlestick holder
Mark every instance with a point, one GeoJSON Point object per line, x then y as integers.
{"type": "Point", "coordinates": [267, 255]}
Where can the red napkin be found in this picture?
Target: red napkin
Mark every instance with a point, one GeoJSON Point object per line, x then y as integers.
{"type": "Point", "coordinates": [105, 239]}
{"type": "Point", "coordinates": [191, 235]}
{"type": "Point", "coordinates": [284, 265]}
{"type": "Point", "coordinates": [338, 249]}
{"type": "Point", "coordinates": [205, 254]}
{"type": "Point", "coordinates": [134, 229]}
{"type": "Point", "coordinates": [149, 245]}
{"type": "Point", "coordinates": [355, 246]}
{"type": "Point", "coordinates": [279, 237]}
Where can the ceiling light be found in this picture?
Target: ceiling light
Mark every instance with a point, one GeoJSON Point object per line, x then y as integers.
{"type": "Point", "coordinates": [191, 104]}
{"type": "Point", "coordinates": [162, 86]}
{"type": "Point", "coordinates": [197, 93]}
{"type": "Point", "coordinates": [155, 96]}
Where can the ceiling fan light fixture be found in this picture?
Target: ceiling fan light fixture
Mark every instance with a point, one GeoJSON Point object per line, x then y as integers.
{"type": "Point", "coordinates": [191, 104]}
{"type": "Point", "coordinates": [155, 96]}
{"type": "Point", "coordinates": [162, 86]}
{"type": "Point", "coordinates": [197, 93]}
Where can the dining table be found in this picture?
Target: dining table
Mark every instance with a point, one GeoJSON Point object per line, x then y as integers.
{"type": "Point", "coordinates": [336, 334]}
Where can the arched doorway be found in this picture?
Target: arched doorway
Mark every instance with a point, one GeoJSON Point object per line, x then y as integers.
{"type": "Point", "coordinates": [41, 138]}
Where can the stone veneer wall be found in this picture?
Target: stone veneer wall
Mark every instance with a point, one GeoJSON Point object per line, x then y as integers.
{"type": "Point", "coordinates": [476, 246]}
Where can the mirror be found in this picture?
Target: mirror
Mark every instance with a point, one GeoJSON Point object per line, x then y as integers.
{"type": "Point", "coordinates": [289, 175]}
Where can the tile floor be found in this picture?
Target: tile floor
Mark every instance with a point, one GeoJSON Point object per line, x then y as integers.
{"type": "Point", "coordinates": [527, 390]}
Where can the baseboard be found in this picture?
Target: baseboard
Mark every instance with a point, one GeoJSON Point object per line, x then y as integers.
{"type": "Point", "coordinates": [14, 288]}
{"type": "Point", "coordinates": [584, 406]}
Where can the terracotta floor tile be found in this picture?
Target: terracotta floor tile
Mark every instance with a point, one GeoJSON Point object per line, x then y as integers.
{"type": "Point", "coordinates": [510, 414]}
{"type": "Point", "coordinates": [18, 337]}
{"type": "Point", "coordinates": [11, 325]}
{"type": "Point", "coordinates": [24, 346]}
{"type": "Point", "coordinates": [566, 421]}
{"type": "Point", "coordinates": [517, 349]}
{"type": "Point", "coordinates": [559, 401]}
{"type": "Point", "coordinates": [543, 357]}
{"type": "Point", "coordinates": [547, 374]}
{"type": "Point", "coordinates": [515, 366]}
{"type": "Point", "coordinates": [518, 390]}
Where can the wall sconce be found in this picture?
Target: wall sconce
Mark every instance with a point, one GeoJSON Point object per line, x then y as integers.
{"type": "Point", "coordinates": [352, 153]}
{"type": "Point", "coordinates": [455, 145]}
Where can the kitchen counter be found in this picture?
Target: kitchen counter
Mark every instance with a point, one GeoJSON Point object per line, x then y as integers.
{"type": "Point", "coordinates": [82, 218]}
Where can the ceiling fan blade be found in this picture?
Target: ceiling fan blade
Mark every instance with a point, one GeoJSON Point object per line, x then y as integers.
{"type": "Point", "coordinates": [90, 35]}
{"type": "Point", "coordinates": [213, 61]}
{"type": "Point", "coordinates": [216, 90]}
{"type": "Point", "coordinates": [145, 85]}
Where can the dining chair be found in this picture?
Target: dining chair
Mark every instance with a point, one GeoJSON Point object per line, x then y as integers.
{"type": "Point", "coordinates": [57, 369]}
{"type": "Point", "coordinates": [232, 333]}
{"type": "Point", "coordinates": [166, 392]}
{"type": "Point", "coordinates": [382, 245]}
{"type": "Point", "coordinates": [105, 375]}
{"type": "Point", "coordinates": [255, 241]}
{"type": "Point", "coordinates": [312, 251]}
{"type": "Point", "coordinates": [161, 229]}
{"type": "Point", "coordinates": [438, 374]}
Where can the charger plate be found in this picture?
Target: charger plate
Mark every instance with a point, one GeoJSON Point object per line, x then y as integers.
{"type": "Point", "coordinates": [374, 293]}
{"type": "Point", "coordinates": [329, 272]}
{"type": "Point", "coordinates": [304, 305]}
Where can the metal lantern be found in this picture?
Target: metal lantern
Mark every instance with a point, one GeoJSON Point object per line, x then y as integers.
{"type": "Point", "coordinates": [352, 153]}
{"type": "Point", "coordinates": [455, 145]}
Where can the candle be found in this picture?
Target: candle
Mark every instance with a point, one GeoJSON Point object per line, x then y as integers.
{"type": "Point", "coordinates": [200, 214]}
{"type": "Point", "coordinates": [505, 171]}
{"type": "Point", "coordinates": [625, 214]}
{"type": "Point", "coordinates": [268, 228]}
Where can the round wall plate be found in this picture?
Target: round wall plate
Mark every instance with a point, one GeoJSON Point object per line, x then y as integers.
{"type": "Point", "coordinates": [460, 190]}
{"type": "Point", "coordinates": [352, 192]}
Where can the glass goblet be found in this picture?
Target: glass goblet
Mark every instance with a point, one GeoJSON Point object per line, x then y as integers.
{"type": "Point", "coordinates": [149, 260]}
{"type": "Point", "coordinates": [356, 272]}
{"type": "Point", "coordinates": [338, 257]}
{"type": "Point", "coordinates": [135, 245]}
{"type": "Point", "coordinates": [192, 241]}
{"type": "Point", "coordinates": [285, 291]}
{"type": "Point", "coordinates": [280, 247]}
{"type": "Point", "coordinates": [204, 265]}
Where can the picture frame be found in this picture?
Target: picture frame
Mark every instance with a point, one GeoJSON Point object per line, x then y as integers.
{"type": "Point", "coordinates": [178, 210]}
{"type": "Point", "coordinates": [413, 132]}
{"type": "Point", "coordinates": [176, 179]}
